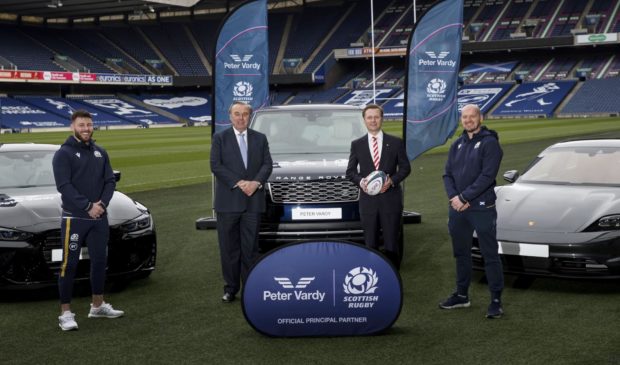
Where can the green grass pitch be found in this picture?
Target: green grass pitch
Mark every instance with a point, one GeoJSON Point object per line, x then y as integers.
{"type": "Point", "coordinates": [176, 317]}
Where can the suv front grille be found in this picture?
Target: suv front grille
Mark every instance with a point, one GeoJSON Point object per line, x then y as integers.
{"type": "Point", "coordinates": [319, 191]}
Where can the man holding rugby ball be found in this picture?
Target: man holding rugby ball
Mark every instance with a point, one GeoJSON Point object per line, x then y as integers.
{"type": "Point", "coordinates": [380, 213]}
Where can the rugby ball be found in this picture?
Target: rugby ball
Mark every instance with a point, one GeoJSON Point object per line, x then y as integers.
{"type": "Point", "coordinates": [375, 181]}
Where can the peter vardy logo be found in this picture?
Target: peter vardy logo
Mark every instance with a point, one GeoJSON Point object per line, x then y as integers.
{"type": "Point", "coordinates": [440, 55]}
{"type": "Point", "coordinates": [245, 58]}
{"type": "Point", "coordinates": [436, 90]}
{"type": "Point", "coordinates": [358, 283]}
{"type": "Point", "coordinates": [437, 59]}
{"type": "Point", "coordinates": [302, 283]}
{"type": "Point", "coordinates": [296, 295]}
{"type": "Point", "coordinates": [242, 63]}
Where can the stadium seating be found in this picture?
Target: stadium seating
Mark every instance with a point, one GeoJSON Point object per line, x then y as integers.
{"type": "Point", "coordinates": [593, 98]}
{"type": "Point", "coordinates": [309, 28]}
{"type": "Point", "coordinates": [55, 40]}
{"type": "Point", "coordinates": [24, 52]}
{"type": "Point", "coordinates": [131, 41]}
{"type": "Point", "coordinates": [174, 43]}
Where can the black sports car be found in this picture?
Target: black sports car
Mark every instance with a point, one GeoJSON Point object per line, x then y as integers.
{"type": "Point", "coordinates": [561, 218]}
{"type": "Point", "coordinates": [30, 245]}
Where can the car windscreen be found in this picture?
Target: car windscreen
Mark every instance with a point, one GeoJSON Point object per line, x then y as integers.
{"type": "Point", "coordinates": [310, 131]}
{"type": "Point", "coordinates": [26, 169]}
{"type": "Point", "coordinates": [576, 165]}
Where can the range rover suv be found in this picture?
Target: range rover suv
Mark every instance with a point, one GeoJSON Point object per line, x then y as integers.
{"type": "Point", "coordinates": [308, 195]}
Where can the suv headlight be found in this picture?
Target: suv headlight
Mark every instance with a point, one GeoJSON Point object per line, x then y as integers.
{"type": "Point", "coordinates": [141, 223]}
{"type": "Point", "coordinates": [7, 234]}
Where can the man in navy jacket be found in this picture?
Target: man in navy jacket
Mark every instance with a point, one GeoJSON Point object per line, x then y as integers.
{"type": "Point", "coordinates": [241, 162]}
{"type": "Point", "coordinates": [86, 184]}
{"type": "Point", "coordinates": [469, 180]}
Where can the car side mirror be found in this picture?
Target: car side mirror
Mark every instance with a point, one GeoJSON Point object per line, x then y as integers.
{"type": "Point", "coordinates": [117, 175]}
{"type": "Point", "coordinates": [511, 176]}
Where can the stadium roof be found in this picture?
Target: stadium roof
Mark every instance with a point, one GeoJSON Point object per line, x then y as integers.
{"type": "Point", "coordinates": [97, 8]}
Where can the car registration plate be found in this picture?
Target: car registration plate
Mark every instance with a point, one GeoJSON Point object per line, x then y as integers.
{"type": "Point", "coordinates": [523, 249]}
{"type": "Point", "coordinates": [57, 254]}
{"type": "Point", "coordinates": [316, 213]}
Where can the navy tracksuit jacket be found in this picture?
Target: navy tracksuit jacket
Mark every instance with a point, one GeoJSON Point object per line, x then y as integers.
{"type": "Point", "coordinates": [83, 177]}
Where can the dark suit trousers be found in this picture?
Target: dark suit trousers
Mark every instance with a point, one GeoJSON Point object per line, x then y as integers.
{"type": "Point", "coordinates": [238, 238]}
{"type": "Point", "coordinates": [389, 223]}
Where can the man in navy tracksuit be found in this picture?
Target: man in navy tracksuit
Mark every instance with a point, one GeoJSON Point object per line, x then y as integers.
{"type": "Point", "coordinates": [86, 183]}
{"type": "Point", "coordinates": [469, 179]}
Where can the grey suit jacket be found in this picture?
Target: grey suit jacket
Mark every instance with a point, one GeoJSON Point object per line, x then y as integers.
{"type": "Point", "coordinates": [394, 162]}
{"type": "Point", "coordinates": [227, 165]}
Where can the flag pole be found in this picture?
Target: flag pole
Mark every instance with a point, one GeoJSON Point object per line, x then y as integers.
{"type": "Point", "coordinates": [415, 17]}
{"type": "Point", "coordinates": [372, 44]}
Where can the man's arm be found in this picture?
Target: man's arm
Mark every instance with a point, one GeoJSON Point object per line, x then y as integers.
{"type": "Point", "coordinates": [267, 165]}
{"type": "Point", "coordinates": [404, 166]}
{"type": "Point", "coordinates": [61, 166]}
{"type": "Point", "coordinates": [491, 159]}
{"type": "Point", "coordinates": [448, 178]}
{"type": "Point", "coordinates": [352, 173]}
{"type": "Point", "coordinates": [225, 175]}
{"type": "Point", "coordinates": [109, 182]}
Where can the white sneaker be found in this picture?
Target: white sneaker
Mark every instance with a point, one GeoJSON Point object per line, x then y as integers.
{"type": "Point", "coordinates": [67, 322]}
{"type": "Point", "coordinates": [104, 311]}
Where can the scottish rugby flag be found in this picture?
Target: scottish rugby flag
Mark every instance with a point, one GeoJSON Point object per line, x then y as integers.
{"type": "Point", "coordinates": [434, 51]}
{"type": "Point", "coordinates": [241, 61]}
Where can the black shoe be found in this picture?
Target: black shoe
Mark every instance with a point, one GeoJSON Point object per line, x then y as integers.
{"type": "Point", "coordinates": [495, 309]}
{"type": "Point", "coordinates": [228, 298]}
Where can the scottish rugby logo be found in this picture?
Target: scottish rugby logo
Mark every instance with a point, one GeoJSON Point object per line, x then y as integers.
{"type": "Point", "coordinates": [360, 280]}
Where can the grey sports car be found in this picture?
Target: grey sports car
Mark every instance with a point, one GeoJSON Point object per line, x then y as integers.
{"type": "Point", "coordinates": [561, 218]}
{"type": "Point", "coordinates": [30, 245]}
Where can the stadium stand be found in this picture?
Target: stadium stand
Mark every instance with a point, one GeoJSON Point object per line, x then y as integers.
{"type": "Point", "coordinates": [309, 27]}
{"type": "Point", "coordinates": [132, 42]}
{"type": "Point", "coordinates": [311, 33]}
{"type": "Point", "coordinates": [593, 98]}
{"type": "Point", "coordinates": [205, 32]}
{"type": "Point", "coordinates": [568, 17]}
{"type": "Point", "coordinates": [24, 52]}
{"type": "Point", "coordinates": [54, 40]}
{"type": "Point", "coordinates": [173, 41]}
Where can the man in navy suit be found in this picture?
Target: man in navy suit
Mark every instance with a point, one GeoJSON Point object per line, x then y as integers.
{"type": "Point", "coordinates": [241, 163]}
{"type": "Point", "coordinates": [380, 151]}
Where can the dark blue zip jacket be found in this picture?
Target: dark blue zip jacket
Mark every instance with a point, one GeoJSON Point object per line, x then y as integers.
{"type": "Point", "coordinates": [83, 176]}
{"type": "Point", "coordinates": [472, 167]}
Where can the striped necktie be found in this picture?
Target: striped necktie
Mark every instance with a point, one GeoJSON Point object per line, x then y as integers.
{"type": "Point", "coordinates": [375, 152]}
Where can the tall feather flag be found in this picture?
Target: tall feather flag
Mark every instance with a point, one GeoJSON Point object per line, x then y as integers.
{"type": "Point", "coordinates": [434, 54]}
{"type": "Point", "coordinates": [241, 57]}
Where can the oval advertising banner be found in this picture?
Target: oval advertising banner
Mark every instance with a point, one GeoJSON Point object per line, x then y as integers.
{"type": "Point", "coordinates": [322, 288]}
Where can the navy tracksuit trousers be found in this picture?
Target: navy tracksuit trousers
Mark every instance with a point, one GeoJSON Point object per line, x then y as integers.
{"type": "Point", "coordinates": [74, 232]}
{"type": "Point", "coordinates": [462, 225]}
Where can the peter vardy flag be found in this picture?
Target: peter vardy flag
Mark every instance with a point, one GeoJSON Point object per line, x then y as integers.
{"type": "Point", "coordinates": [431, 115]}
{"type": "Point", "coordinates": [241, 61]}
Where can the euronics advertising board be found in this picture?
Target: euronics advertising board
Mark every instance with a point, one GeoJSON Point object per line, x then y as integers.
{"type": "Point", "coordinates": [322, 288]}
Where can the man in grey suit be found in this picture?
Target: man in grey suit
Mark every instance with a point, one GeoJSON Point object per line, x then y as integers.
{"type": "Point", "coordinates": [382, 212]}
{"type": "Point", "coordinates": [241, 163]}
